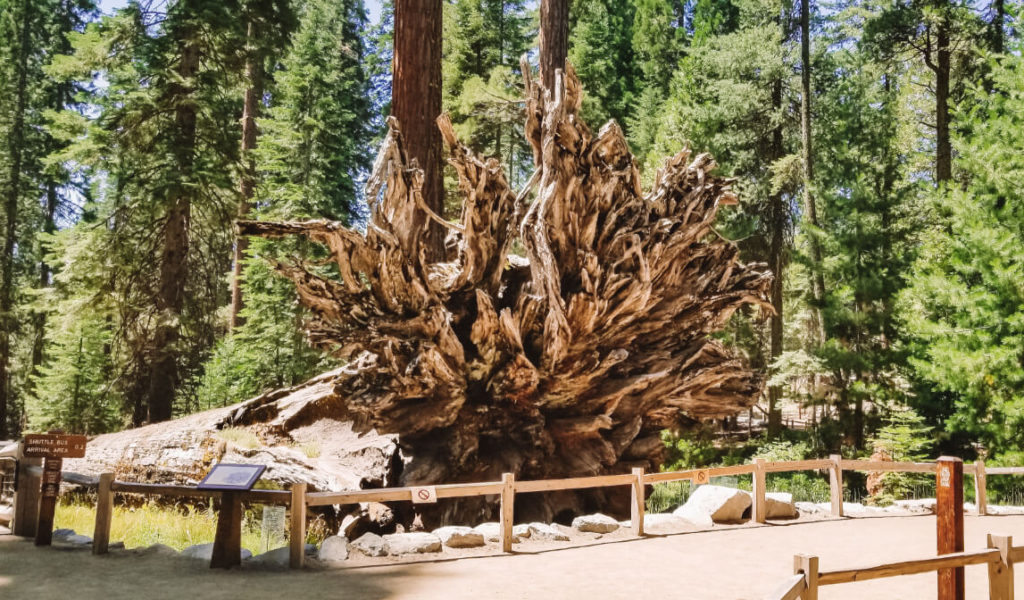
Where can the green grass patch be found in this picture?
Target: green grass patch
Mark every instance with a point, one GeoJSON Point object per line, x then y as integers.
{"type": "Point", "coordinates": [175, 527]}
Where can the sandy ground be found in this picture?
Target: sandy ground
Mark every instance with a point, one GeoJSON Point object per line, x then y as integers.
{"type": "Point", "coordinates": [738, 563]}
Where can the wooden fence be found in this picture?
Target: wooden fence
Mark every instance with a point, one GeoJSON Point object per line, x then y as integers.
{"type": "Point", "coordinates": [300, 500]}
{"type": "Point", "coordinates": [1000, 557]}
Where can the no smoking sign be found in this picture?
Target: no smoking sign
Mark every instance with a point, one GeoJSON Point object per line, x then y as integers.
{"type": "Point", "coordinates": [424, 495]}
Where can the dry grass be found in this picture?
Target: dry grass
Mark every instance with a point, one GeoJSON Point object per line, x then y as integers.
{"type": "Point", "coordinates": [151, 524]}
{"type": "Point", "coordinates": [240, 437]}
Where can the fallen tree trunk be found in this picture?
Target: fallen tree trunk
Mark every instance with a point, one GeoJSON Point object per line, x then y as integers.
{"type": "Point", "coordinates": [566, 361]}
{"type": "Point", "coordinates": [327, 454]}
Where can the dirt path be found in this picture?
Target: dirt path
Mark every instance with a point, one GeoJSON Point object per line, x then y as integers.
{"type": "Point", "coordinates": [738, 563]}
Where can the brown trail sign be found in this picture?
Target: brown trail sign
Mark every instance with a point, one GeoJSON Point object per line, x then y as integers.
{"type": "Point", "coordinates": [54, 445]}
{"type": "Point", "coordinates": [53, 448]}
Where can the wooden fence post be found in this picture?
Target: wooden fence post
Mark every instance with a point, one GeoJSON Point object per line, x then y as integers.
{"type": "Point", "coordinates": [636, 513]}
{"type": "Point", "coordinates": [835, 484]}
{"type": "Point", "coordinates": [1000, 574]}
{"type": "Point", "coordinates": [760, 506]}
{"type": "Point", "coordinates": [297, 529]}
{"type": "Point", "coordinates": [26, 497]}
{"type": "Point", "coordinates": [980, 483]}
{"type": "Point", "coordinates": [808, 565]}
{"type": "Point", "coordinates": [949, 513]}
{"type": "Point", "coordinates": [104, 514]}
{"type": "Point", "coordinates": [227, 545]}
{"type": "Point", "coordinates": [508, 500]}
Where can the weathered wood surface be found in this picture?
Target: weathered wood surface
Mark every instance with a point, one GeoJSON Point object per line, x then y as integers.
{"type": "Point", "coordinates": [790, 589]}
{"type": "Point", "coordinates": [563, 361]}
{"type": "Point", "coordinates": [949, 519]}
{"type": "Point", "coordinates": [885, 465]}
{"type": "Point", "coordinates": [909, 567]}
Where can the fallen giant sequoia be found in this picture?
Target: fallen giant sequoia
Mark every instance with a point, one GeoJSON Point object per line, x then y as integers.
{"type": "Point", "coordinates": [567, 362]}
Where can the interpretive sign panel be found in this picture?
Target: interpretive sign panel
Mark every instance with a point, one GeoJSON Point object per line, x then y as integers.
{"type": "Point", "coordinates": [54, 445]}
{"type": "Point", "coordinates": [231, 478]}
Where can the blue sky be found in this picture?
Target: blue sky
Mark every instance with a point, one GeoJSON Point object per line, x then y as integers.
{"type": "Point", "coordinates": [109, 6]}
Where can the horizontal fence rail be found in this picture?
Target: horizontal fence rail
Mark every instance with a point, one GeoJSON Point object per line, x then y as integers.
{"type": "Point", "coordinates": [300, 500]}
{"type": "Point", "coordinates": [1000, 557]}
{"type": "Point", "coordinates": [909, 567]}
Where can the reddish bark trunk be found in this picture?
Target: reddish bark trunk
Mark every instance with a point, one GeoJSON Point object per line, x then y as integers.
{"type": "Point", "coordinates": [554, 39]}
{"type": "Point", "coordinates": [416, 101]}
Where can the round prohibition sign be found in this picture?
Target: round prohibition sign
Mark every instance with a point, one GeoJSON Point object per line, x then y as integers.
{"type": "Point", "coordinates": [423, 494]}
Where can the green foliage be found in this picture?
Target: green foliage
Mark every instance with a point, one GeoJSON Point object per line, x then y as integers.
{"type": "Point", "coordinates": [805, 487]}
{"type": "Point", "coordinates": [314, 150]}
{"type": "Point", "coordinates": [601, 51]}
{"type": "Point", "coordinates": [903, 438]}
{"type": "Point", "coordinates": [483, 41]}
{"type": "Point", "coordinates": [315, 142]}
{"type": "Point", "coordinates": [962, 312]}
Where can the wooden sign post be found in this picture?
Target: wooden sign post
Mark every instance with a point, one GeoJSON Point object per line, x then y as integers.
{"type": "Point", "coordinates": [949, 513]}
{"type": "Point", "coordinates": [231, 481]}
{"type": "Point", "coordinates": [53, 448]}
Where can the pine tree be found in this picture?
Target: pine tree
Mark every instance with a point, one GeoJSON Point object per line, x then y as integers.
{"type": "Point", "coordinates": [963, 308]}
{"type": "Point", "coordinates": [732, 97]}
{"type": "Point", "coordinates": [601, 51]}
{"type": "Point", "coordinates": [314, 150]}
{"type": "Point", "coordinates": [867, 240]}
{"type": "Point", "coordinates": [942, 35]}
{"type": "Point", "coordinates": [483, 41]}
{"type": "Point", "coordinates": [32, 189]}
{"type": "Point", "coordinates": [267, 25]}
{"type": "Point", "coordinates": [166, 138]}
{"type": "Point", "coordinates": [659, 43]}
{"type": "Point", "coordinates": [416, 99]}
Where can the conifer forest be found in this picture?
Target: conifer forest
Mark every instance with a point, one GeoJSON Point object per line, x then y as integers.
{"type": "Point", "coordinates": [870, 176]}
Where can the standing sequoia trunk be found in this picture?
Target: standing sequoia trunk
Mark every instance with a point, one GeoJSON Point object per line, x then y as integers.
{"type": "Point", "coordinates": [174, 256]}
{"type": "Point", "coordinates": [416, 103]}
{"type": "Point", "coordinates": [566, 362]}
{"type": "Point", "coordinates": [554, 39]}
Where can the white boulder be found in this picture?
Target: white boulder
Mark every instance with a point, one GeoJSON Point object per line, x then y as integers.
{"type": "Point", "coordinates": [596, 523]}
{"type": "Point", "coordinates": [492, 532]}
{"type": "Point", "coordinates": [779, 505]}
{"type": "Point", "coordinates": [278, 557]}
{"type": "Point", "coordinates": [333, 549]}
{"type": "Point", "coordinates": [543, 531]}
{"type": "Point", "coordinates": [412, 543]}
{"type": "Point", "coordinates": [205, 552]}
{"type": "Point", "coordinates": [711, 504]}
{"type": "Point", "coordinates": [370, 544]}
{"type": "Point", "coordinates": [459, 537]}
